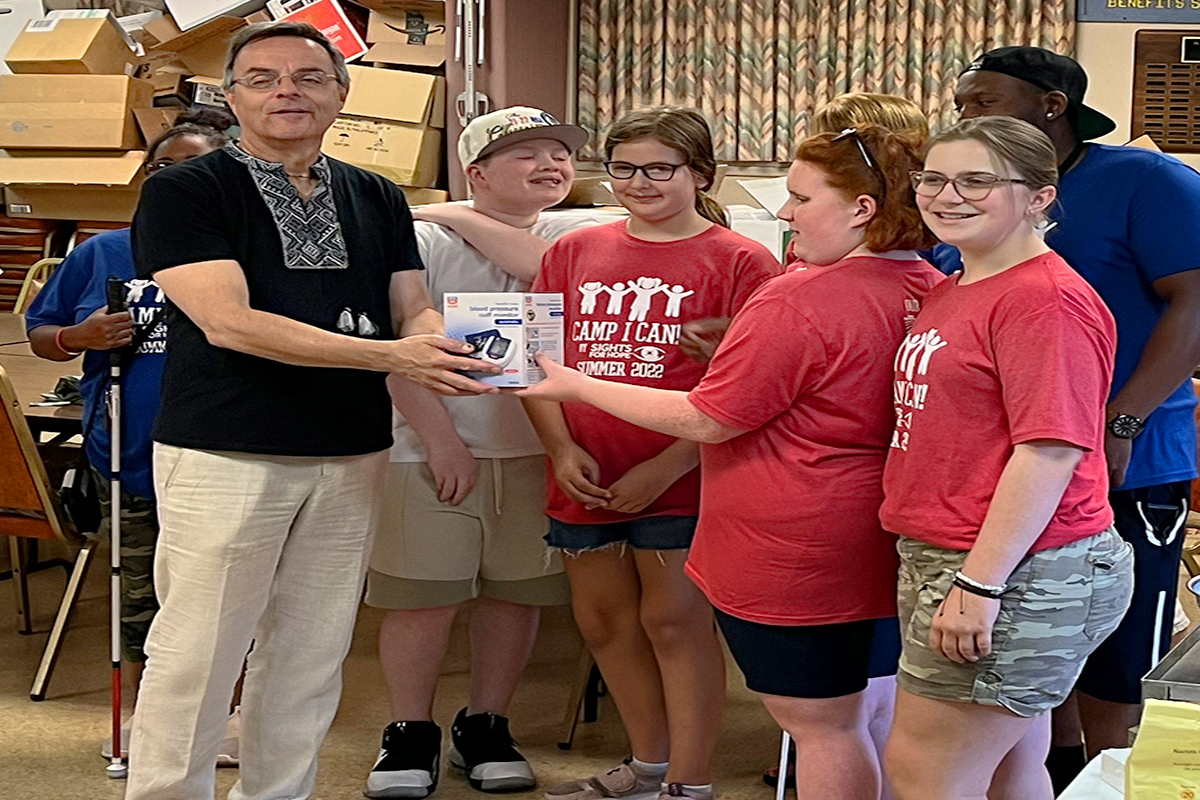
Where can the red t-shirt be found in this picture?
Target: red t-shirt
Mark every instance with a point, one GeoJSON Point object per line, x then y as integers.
{"type": "Point", "coordinates": [1026, 354]}
{"type": "Point", "coordinates": [625, 302]}
{"type": "Point", "coordinates": [789, 513]}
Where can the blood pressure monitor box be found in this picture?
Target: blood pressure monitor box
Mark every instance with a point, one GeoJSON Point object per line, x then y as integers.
{"type": "Point", "coordinates": [507, 329]}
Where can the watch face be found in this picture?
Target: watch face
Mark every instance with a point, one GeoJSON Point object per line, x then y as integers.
{"type": "Point", "coordinates": [1125, 426]}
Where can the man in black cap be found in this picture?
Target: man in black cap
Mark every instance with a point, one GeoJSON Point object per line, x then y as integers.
{"type": "Point", "coordinates": [1128, 220]}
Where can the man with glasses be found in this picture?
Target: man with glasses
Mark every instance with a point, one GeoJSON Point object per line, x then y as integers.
{"type": "Point", "coordinates": [288, 276]}
{"type": "Point", "coordinates": [1128, 220]}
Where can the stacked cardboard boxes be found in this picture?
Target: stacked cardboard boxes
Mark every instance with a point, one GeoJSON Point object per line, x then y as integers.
{"type": "Point", "coordinates": [23, 242]}
{"type": "Point", "coordinates": [66, 118]}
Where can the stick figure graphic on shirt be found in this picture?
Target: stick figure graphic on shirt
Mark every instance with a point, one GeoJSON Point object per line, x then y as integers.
{"type": "Point", "coordinates": [675, 297]}
{"type": "Point", "coordinates": [138, 287]}
{"type": "Point", "coordinates": [589, 291]}
{"type": "Point", "coordinates": [616, 296]}
{"type": "Point", "coordinates": [644, 289]}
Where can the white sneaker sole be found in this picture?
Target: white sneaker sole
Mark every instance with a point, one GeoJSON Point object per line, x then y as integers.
{"type": "Point", "coordinates": [496, 776]}
{"type": "Point", "coordinates": [402, 783]}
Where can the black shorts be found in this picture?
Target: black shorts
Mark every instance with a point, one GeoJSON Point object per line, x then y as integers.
{"type": "Point", "coordinates": [1152, 519]}
{"type": "Point", "coordinates": [812, 660]}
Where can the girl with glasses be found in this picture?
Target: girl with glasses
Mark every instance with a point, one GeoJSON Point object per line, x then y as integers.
{"type": "Point", "coordinates": [623, 501]}
{"type": "Point", "coordinates": [795, 416]}
{"type": "Point", "coordinates": [1010, 571]}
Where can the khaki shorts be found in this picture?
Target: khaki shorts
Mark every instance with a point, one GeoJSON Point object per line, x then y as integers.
{"type": "Point", "coordinates": [1061, 605]}
{"type": "Point", "coordinates": [428, 553]}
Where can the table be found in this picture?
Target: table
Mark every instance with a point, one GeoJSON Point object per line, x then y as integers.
{"type": "Point", "coordinates": [1090, 786]}
{"type": "Point", "coordinates": [31, 376]}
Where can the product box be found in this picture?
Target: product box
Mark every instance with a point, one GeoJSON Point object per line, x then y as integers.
{"type": "Point", "coordinates": [153, 121]}
{"type": "Point", "coordinates": [507, 329]}
{"type": "Point", "coordinates": [76, 42]}
{"type": "Point", "coordinates": [389, 125]}
{"type": "Point", "coordinates": [71, 111]}
{"type": "Point", "coordinates": [330, 18]}
{"type": "Point", "coordinates": [409, 36]}
{"type": "Point", "coordinates": [201, 49]}
{"type": "Point", "coordinates": [207, 92]}
{"type": "Point", "coordinates": [99, 186]}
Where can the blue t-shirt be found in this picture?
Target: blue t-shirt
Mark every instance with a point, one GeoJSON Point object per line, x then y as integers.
{"type": "Point", "coordinates": [74, 292]}
{"type": "Point", "coordinates": [1125, 218]}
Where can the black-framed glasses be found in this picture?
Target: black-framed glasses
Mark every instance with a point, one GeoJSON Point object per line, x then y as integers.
{"type": "Point", "coordinates": [623, 170]}
{"type": "Point", "coordinates": [970, 186]}
{"type": "Point", "coordinates": [155, 166]}
{"type": "Point", "coordinates": [304, 81]}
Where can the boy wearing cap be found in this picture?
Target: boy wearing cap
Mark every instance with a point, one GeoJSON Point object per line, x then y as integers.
{"type": "Point", "coordinates": [462, 517]}
{"type": "Point", "coordinates": [1128, 220]}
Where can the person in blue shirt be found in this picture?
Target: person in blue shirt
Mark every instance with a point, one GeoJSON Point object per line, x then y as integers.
{"type": "Point", "coordinates": [69, 316]}
{"type": "Point", "coordinates": [1128, 220]}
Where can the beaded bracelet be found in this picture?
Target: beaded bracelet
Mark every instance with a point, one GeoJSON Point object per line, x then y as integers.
{"type": "Point", "coordinates": [59, 344]}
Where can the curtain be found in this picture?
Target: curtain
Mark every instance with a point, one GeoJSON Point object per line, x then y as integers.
{"type": "Point", "coordinates": [758, 69]}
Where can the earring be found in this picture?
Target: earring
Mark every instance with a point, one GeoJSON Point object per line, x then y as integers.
{"type": "Point", "coordinates": [1049, 115]}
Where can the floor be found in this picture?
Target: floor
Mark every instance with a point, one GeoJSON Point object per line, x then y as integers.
{"type": "Point", "coordinates": [51, 749]}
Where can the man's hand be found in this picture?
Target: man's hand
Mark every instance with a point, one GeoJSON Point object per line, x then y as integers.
{"type": "Point", "coordinates": [100, 331]}
{"type": "Point", "coordinates": [426, 360]}
{"type": "Point", "coordinates": [639, 487]}
{"type": "Point", "coordinates": [577, 474]}
{"type": "Point", "coordinates": [1117, 452]}
{"type": "Point", "coordinates": [700, 337]}
{"type": "Point", "coordinates": [453, 469]}
{"type": "Point", "coordinates": [561, 383]}
{"type": "Point", "coordinates": [962, 626]}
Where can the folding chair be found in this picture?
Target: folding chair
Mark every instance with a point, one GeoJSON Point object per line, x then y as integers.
{"type": "Point", "coordinates": [584, 701]}
{"type": "Point", "coordinates": [30, 511]}
{"type": "Point", "coordinates": [35, 279]}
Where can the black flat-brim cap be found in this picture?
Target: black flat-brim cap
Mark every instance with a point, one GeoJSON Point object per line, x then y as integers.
{"type": "Point", "coordinates": [1050, 72]}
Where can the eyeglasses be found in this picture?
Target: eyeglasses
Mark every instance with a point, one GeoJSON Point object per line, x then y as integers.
{"type": "Point", "coordinates": [971, 186]}
{"type": "Point", "coordinates": [852, 133]}
{"type": "Point", "coordinates": [304, 81]}
{"type": "Point", "coordinates": [623, 171]}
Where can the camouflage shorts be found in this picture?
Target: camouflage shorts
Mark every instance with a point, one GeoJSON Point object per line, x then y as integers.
{"type": "Point", "coordinates": [139, 534]}
{"type": "Point", "coordinates": [1062, 603]}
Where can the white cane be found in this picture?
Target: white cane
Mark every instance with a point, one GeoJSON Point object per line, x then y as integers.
{"type": "Point", "coordinates": [116, 304]}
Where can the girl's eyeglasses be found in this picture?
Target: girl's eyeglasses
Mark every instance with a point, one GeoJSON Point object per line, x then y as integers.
{"type": "Point", "coordinates": [971, 186]}
{"type": "Point", "coordinates": [623, 170]}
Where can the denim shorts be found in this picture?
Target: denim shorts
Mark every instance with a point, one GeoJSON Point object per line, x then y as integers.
{"type": "Point", "coordinates": [647, 533]}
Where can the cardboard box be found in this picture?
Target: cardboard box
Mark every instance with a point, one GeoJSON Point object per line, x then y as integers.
{"type": "Point", "coordinates": [409, 155]}
{"type": "Point", "coordinates": [507, 329]}
{"type": "Point", "coordinates": [330, 18]}
{"type": "Point", "coordinates": [99, 186]}
{"type": "Point", "coordinates": [408, 36]}
{"type": "Point", "coordinates": [417, 196]}
{"type": "Point", "coordinates": [71, 111]}
{"type": "Point", "coordinates": [392, 94]}
{"type": "Point", "coordinates": [13, 16]}
{"type": "Point", "coordinates": [202, 49]}
{"type": "Point", "coordinates": [190, 13]}
{"type": "Point", "coordinates": [153, 121]}
{"type": "Point", "coordinates": [56, 45]}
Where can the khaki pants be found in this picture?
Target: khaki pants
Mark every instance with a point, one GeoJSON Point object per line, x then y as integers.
{"type": "Point", "coordinates": [252, 548]}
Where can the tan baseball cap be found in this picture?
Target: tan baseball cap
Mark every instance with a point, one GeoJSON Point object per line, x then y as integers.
{"type": "Point", "coordinates": [488, 132]}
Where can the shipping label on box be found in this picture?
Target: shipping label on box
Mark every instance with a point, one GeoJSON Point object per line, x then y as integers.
{"type": "Point", "coordinates": [409, 155]}
{"type": "Point", "coordinates": [507, 329]}
{"type": "Point", "coordinates": [208, 92]}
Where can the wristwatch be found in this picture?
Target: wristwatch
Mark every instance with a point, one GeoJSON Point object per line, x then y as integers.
{"type": "Point", "coordinates": [1125, 426]}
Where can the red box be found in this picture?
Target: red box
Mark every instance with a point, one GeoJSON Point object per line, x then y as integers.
{"type": "Point", "coordinates": [329, 18]}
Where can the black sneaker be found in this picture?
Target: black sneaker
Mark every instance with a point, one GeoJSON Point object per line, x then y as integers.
{"type": "Point", "coordinates": [409, 761]}
{"type": "Point", "coordinates": [484, 749]}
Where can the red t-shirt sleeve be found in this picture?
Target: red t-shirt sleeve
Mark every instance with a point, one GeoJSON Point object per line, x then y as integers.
{"type": "Point", "coordinates": [1054, 373]}
{"type": "Point", "coordinates": [757, 267]}
{"type": "Point", "coordinates": [550, 276]}
{"type": "Point", "coordinates": [770, 356]}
